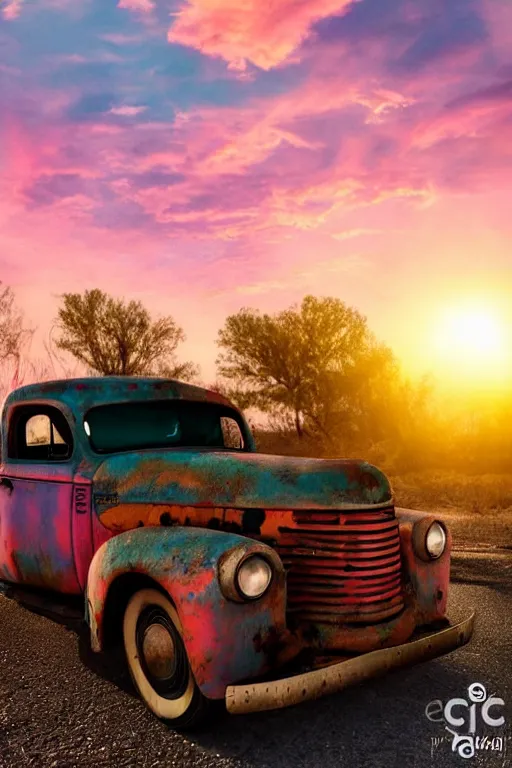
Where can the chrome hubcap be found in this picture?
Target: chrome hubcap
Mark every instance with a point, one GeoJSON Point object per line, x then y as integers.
{"type": "Point", "coordinates": [159, 651]}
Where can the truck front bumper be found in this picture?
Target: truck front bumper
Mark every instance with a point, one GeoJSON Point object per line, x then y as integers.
{"type": "Point", "coordinates": [242, 699]}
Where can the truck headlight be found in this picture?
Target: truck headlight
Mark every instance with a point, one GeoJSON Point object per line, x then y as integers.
{"type": "Point", "coordinates": [435, 541]}
{"type": "Point", "coordinates": [253, 577]}
{"type": "Point", "coordinates": [248, 571]}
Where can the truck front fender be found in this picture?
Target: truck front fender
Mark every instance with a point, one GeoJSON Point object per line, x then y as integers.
{"type": "Point", "coordinates": [225, 640]}
{"type": "Point", "coordinates": [427, 581]}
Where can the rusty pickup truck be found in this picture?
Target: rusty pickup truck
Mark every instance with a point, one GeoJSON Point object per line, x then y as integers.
{"type": "Point", "coordinates": [259, 580]}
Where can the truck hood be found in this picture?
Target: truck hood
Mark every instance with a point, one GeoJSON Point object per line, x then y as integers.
{"type": "Point", "coordinates": [232, 479]}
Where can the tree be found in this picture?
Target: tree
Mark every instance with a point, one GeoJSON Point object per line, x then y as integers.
{"type": "Point", "coordinates": [17, 367]}
{"type": "Point", "coordinates": [318, 362]}
{"type": "Point", "coordinates": [13, 334]}
{"type": "Point", "coordinates": [114, 337]}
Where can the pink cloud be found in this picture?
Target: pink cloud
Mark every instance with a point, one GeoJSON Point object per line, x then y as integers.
{"type": "Point", "coordinates": [350, 234]}
{"type": "Point", "coordinates": [231, 172]}
{"type": "Point", "coordinates": [498, 17]}
{"type": "Point", "coordinates": [126, 111]}
{"type": "Point", "coordinates": [120, 38]}
{"type": "Point", "coordinates": [477, 114]}
{"type": "Point", "coordinates": [282, 163]}
{"type": "Point", "coordinates": [12, 9]}
{"type": "Point", "coordinates": [141, 6]}
{"type": "Point", "coordinates": [240, 31]}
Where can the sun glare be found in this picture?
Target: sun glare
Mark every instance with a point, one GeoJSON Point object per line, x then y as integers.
{"type": "Point", "coordinates": [471, 339]}
{"type": "Point", "coordinates": [473, 332]}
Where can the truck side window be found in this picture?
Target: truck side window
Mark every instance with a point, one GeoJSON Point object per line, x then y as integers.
{"type": "Point", "coordinates": [40, 435]}
{"type": "Point", "coordinates": [231, 433]}
{"type": "Point", "coordinates": [38, 431]}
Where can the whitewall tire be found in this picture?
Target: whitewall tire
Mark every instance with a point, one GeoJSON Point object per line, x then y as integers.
{"type": "Point", "coordinates": [158, 661]}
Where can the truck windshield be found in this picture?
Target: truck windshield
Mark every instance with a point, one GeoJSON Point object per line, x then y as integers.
{"type": "Point", "coordinates": [163, 424]}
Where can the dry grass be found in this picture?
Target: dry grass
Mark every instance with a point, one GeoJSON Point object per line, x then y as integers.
{"type": "Point", "coordinates": [471, 494]}
{"type": "Point", "coordinates": [477, 508]}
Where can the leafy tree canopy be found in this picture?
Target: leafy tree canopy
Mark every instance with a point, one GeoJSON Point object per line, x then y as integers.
{"type": "Point", "coordinates": [317, 362]}
{"type": "Point", "coordinates": [114, 337]}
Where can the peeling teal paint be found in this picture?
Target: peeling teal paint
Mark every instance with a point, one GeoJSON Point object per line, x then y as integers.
{"type": "Point", "coordinates": [235, 479]}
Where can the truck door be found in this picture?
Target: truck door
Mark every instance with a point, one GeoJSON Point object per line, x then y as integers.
{"type": "Point", "coordinates": [36, 501]}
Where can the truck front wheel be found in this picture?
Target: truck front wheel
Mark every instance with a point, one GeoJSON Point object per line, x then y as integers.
{"type": "Point", "coordinates": [158, 661]}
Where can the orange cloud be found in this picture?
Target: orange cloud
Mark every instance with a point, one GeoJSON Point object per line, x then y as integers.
{"type": "Point", "coordinates": [265, 34]}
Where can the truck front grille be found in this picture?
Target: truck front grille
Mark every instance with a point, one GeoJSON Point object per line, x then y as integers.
{"type": "Point", "coordinates": [342, 567]}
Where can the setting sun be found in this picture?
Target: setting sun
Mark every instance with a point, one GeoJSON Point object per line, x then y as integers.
{"type": "Point", "coordinates": [471, 338]}
{"type": "Point", "coordinates": [469, 332]}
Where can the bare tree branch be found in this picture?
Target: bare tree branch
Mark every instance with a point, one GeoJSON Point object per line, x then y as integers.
{"type": "Point", "coordinates": [13, 334]}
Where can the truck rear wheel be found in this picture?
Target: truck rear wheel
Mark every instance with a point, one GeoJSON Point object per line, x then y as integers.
{"type": "Point", "coordinates": [158, 662]}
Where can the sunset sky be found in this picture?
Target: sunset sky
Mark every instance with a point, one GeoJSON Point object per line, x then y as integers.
{"type": "Point", "coordinates": [207, 155]}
